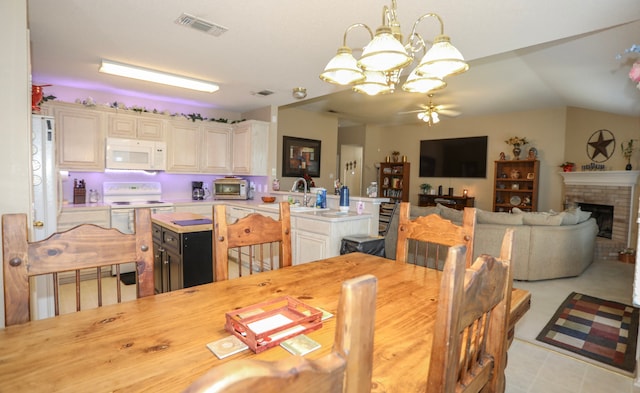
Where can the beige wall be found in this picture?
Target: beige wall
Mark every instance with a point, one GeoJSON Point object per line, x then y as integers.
{"type": "Point", "coordinates": [303, 124]}
{"type": "Point", "coordinates": [15, 103]}
{"type": "Point", "coordinates": [545, 130]}
{"type": "Point", "coordinates": [582, 123]}
{"type": "Point", "coordinates": [558, 134]}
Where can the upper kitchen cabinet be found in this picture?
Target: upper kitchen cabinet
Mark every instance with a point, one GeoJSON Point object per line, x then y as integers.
{"type": "Point", "coordinates": [126, 126]}
{"type": "Point", "coordinates": [80, 136]}
{"type": "Point", "coordinates": [183, 146]}
{"type": "Point", "coordinates": [216, 148]}
{"type": "Point", "coordinates": [199, 147]}
{"type": "Point", "coordinates": [250, 147]}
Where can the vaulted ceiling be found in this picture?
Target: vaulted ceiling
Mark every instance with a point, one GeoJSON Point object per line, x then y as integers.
{"type": "Point", "coordinates": [523, 54]}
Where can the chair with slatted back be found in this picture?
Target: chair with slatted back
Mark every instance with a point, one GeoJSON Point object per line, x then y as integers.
{"type": "Point", "coordinates": [254, 242]}
{"type": "Point", "coordinates": [83, 247]}
{"type": "Point", "coordinates": [426, 239]}
{"type": "Point", "coordinates": [348, 368]}
{"type": "Point", "coordinates": [470, 334]}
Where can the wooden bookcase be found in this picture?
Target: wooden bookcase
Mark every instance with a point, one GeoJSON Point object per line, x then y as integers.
{"type": "Point", "coordinates": [394, 181]}
{"type": "Point", "coordinates": [516, 185]}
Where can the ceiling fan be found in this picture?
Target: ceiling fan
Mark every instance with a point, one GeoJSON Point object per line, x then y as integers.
{"type": "Point", "coordinates": [430, 113]}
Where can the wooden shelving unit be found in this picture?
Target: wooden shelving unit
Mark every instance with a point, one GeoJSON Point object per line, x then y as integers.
{"type": "Point", "coordinates": [394, 181]}
{"type": "Point", "coordinates": [516, 185]}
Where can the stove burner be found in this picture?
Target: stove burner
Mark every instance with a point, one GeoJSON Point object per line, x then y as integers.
{"type": "Point", "coordinates": [121, 203]}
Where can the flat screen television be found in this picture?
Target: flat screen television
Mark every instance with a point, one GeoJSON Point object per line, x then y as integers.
{"type": "Point", "coordinates": [454, 157]}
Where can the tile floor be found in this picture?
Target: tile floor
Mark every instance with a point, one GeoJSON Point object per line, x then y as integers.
{"type": "Point", "coordinates": [534, 368]}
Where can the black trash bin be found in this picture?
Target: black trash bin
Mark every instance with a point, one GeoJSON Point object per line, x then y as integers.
{"type": "Point", "coordinates": [365, 244]}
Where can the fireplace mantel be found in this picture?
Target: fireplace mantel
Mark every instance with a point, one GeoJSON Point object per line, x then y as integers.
{"type": "Point", "coordinates": [601, 178]}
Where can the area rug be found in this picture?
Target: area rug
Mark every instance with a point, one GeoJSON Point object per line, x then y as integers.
{"type": "Point", "coordinates": [128, 278]}
{"type": "Point", "coordinates": [598, 329]}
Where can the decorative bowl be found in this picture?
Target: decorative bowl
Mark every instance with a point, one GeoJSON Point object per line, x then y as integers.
{"type": "Point", "coordinates": [268, 199]}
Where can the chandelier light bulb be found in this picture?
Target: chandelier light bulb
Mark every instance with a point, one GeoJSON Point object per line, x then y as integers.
{"type": "Point", "coordinates": [384, 53]}
{"type": "Point", "coordinates": [342, 69]}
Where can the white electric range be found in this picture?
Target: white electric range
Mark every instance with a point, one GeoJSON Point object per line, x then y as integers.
{"type": "Point", "coordinates": [125, 197]}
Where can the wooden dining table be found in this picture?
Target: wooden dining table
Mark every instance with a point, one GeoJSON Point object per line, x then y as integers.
{"type": "Point", "coordinates": [158, 343]}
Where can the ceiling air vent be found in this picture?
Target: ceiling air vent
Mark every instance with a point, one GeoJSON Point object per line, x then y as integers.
{"type": "Point", "coordinates": [201, 25]}
{"type": "Point", "coordinates": [263, 93]}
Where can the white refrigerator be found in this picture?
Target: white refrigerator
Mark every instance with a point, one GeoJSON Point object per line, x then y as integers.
{"type": "Point", "coordinates": [46, 203]}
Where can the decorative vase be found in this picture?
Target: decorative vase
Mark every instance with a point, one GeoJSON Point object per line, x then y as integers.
{"type": "Point", "coordinates": [628, 167]}
{"type": "Point", "coordinates": [516, 152]}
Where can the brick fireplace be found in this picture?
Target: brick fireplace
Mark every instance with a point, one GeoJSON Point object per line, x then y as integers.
{"type": "Point", "coordinates": [606, 188]}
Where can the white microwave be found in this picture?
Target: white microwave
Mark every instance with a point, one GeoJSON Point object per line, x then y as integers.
{"type": "Point", "coordinates": [136, 154]}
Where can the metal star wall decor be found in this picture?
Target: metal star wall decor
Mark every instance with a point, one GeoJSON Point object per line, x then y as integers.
{"type": "Point", "coordinates": [601, 143]}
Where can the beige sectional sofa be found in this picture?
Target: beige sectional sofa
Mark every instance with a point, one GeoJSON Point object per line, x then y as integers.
{"type": "Point", "coordinates": [546, 245]}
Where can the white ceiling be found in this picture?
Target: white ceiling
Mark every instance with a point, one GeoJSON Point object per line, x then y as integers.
{"type": "Point", "coordinates": [523, 54]}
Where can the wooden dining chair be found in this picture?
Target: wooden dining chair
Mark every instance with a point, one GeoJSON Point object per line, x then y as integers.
{"type": "Point", "coordinates": [427, 238]}
{"type": "Point", "coordinates": [83, 247]}
{"type": "Point", "coordinates": [253, 242]}
{"type": "Point", "coordinates": [348, 368]}
{"type": "Point", "coordinates": [470, 335]}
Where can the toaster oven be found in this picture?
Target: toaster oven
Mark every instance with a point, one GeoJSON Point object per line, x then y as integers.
{"type": "Point", "coordinates": [230, 188]}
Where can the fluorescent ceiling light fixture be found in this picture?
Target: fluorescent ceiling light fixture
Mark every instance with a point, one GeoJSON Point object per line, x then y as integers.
{"type": "Point", "coordinates": [149, 75]}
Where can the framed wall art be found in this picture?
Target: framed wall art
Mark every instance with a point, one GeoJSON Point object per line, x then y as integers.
{"type": "Point", "coordinates": [300, 156]}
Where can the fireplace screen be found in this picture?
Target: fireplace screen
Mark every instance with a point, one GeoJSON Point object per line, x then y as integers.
{"type": "Point", "coordinates": [604, 217]}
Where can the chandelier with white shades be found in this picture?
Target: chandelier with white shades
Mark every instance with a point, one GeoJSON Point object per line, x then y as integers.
{"type": "Point", "coordinates": [379, 68]}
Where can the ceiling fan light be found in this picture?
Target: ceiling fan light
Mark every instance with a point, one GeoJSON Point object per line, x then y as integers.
{"type": "Point", "coordinates": [422, 83]}
{"type": "Point", "coordinates": [421, 115]}
{"type": "Point", "coordinates": [435, 119]}
{"type": "Point", "coordinates": [374, 83]}
{"type": "Point", "coordinates": [384, 52]}
{"type": "Point", "coordinates": [442, 59]}
{"type": "Point", "coordinates": [342, 69]}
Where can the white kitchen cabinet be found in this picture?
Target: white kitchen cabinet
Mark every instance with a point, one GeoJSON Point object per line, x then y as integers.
{"type": "Point", "coordinates": [234, 213]}
{"type": "Point", "coordinates": [201, 208]}
{"type": "Point", "coordinates": [80, 137]}
{"type": "Point", "coordinates": [120, 125]}
{"type": "Point", "coordinates": [199, 147]}
{"type": "Point", "coordinates": [216, 148]}
{"type": "Point", "coordinates": [72, 217]}
{"type": "Point", "coordinates": [250, 147]}
{"type": "Point", "coordinates": [315, 239]}
{"type": "Point", "coordinates": [183, 147]}
{"type": "Point", "coordinates": [309, 246]}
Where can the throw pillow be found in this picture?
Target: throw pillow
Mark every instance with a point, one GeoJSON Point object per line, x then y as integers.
{"type": "Point", "coordinates": [539, 218]}
{"type": "Point", "coordinates": [419, 211]}
{"type": "Point", "coordinates": [449, 213]}
{"type": "Point", "coordinates": [580, 216]}
{"type": "Point", "coordinates": [485, 217]}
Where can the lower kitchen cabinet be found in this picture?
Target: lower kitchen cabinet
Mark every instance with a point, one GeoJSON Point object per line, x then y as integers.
{"type": "Point", "coordinates": [73, 216]}
{"type": "Point", "coordinates": [181, 260]}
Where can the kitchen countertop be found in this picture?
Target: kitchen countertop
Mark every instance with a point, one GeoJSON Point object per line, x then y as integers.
{"type": "Point", "coordinates": [86, 206]}
{"type": "Point", "coordinates": [167, 220]}
{"type": "Point", "coordinates": [256, 203]}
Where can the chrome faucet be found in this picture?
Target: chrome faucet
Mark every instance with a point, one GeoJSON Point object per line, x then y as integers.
{"type": "Point", "coordinates": [295, 188]}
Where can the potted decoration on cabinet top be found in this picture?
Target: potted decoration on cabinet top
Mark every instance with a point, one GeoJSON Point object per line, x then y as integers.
{"type": "Point", "coordinates": [426, 188]}
{"type": "Point", "coordinates": [516, 142]}
{"type": "Point", "coordinates": [627, 151]}
{"type": "Point", "coordinates": [567, 166]}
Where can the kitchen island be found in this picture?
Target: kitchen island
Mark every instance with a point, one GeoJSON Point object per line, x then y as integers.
{"type": "Point", "coordinates": [182, 253]}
